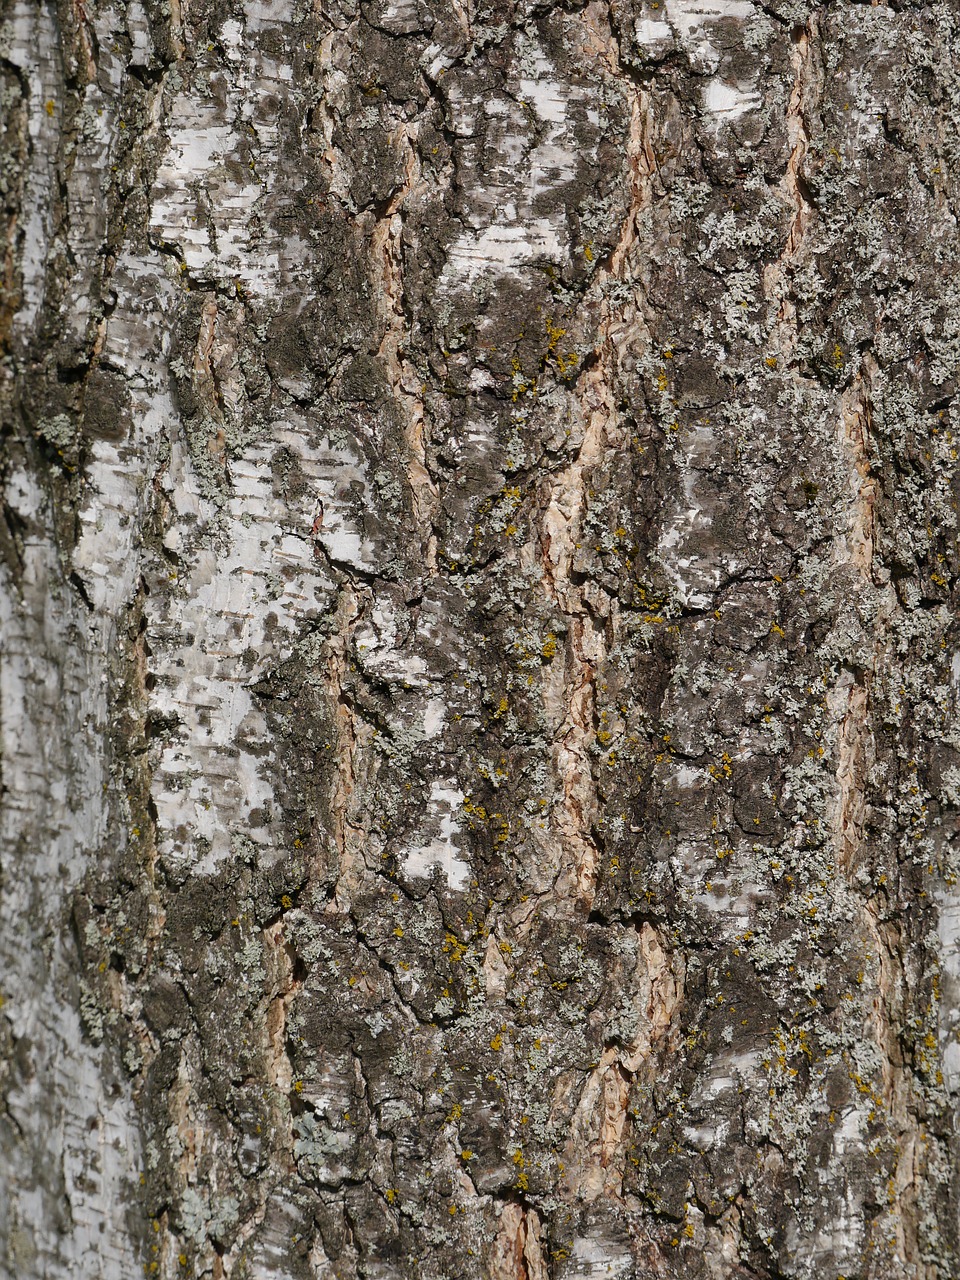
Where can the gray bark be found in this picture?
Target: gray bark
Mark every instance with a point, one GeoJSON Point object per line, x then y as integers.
{"type": "Point", "coordinates": [479, 660]}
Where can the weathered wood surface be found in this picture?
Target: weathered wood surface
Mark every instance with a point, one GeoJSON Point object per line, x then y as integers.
{"type": "Point", "coordinates": [479, 658]}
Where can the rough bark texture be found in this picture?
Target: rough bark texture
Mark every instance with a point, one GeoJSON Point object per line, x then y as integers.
{"type": "Point", "coordinates": [480, 651]}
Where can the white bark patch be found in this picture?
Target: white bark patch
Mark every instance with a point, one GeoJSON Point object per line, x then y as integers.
{"type": "Point", "coordinates": [502, 249]}
{"type": "Point", "coordinates": [434, 717]}
{"type": "Point", "coordinates": [695, 23]}
{"type": "Point", "coordinates": [138, 29]}
{"type": "Point", "coordinates": [376, 640]}
{"type": "Point", "coordinates": [729, 101]}
{"type": "Point", "coordinates": [32, 45]}
{"type": "Point", "coordinates": [94, 1140]}
{"type": "Point", "coordinates": [653, 35]}
{"type": "Point", "coordinates": [948, 937]}
{"type": "Point", "coordinates": [239, 611]}
{"type": "Point", "coordinates": [200, 204]}
{"type": "Point", "coordinates": [730, 1071]}
{"type": "Point", "coordinates": [684, 547]}
{"type": "Point", "coordinates": [51, 655]}
{"type": "Point", "coordinates": [839, 1244]}
{"type": "Point", "coordinates": [593, 1257]}
{"type": "Point", "coordinates": [400, 17]}
{"type": "Point", "coordinates": [101, 132]}
{"type": "Point", "coordinates": [112, 517]}
{"type": "Point", "coordinates": [536, 154]}
{"type": "Point", "coordinates": [442, 851]}
{"type": "Point", "coordinates": [53, 819]}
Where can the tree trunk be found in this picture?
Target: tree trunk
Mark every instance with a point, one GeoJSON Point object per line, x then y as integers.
{"type": "Point", "coordinates": [480, 659]}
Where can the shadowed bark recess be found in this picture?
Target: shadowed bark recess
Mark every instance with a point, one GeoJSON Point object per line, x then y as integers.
{"type": "Point", "coordinates": [479, 647]}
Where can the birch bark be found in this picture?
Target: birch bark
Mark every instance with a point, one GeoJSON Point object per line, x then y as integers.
{"type": "Point", "coordinates": [480, 660]}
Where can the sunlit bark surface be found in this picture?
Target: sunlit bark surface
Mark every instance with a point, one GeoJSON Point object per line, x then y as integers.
{"type": "Point", "coordinates": [479, 652]}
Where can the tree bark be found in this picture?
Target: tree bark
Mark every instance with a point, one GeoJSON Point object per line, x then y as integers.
{"type": "Point", "coordinates": [480, 659]}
